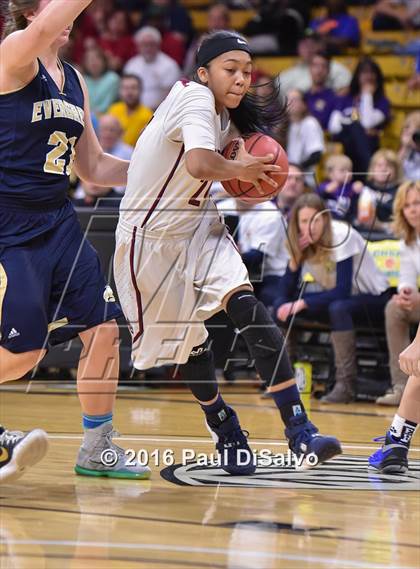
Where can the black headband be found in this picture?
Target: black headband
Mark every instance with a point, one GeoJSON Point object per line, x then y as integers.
{"type": "Point", "coordinates": [211, 49]}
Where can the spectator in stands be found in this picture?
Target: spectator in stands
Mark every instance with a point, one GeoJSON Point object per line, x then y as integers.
{"type": "Point", "coordinates": [299, 76]}
{"type": "Point", "coordinates": [90, 25]}
{"type": "Point", "coordinates": [404, 308]}
{"type": "Point", "coordinates": [305, 139]}
{"type": "Point", "coordinates": [292, 190]}
{"type": "Point", "coordinates": [275, 28]}
{"type": "Point", "coordinates": [338, 28]}
{"type": "Point", "coordinates": [218, 18]}
{"type": "Point", "coordinates": [117, 41]}
{"type": "Point", "coordinates": [396, 15]}
{"type": "Point", "coordinates": [174, 23]}
{"type": "Point", "coordinates": [413, 83]}
{"type": "Point", "coordinates": [109, 136]}
{"type": "Point", "coordinates": [261, 239]}
{"type": "Point", "coordinates": [157, 71]}
{"type": "Point", "coordinates": [339, 192]}
{"type": "Point", "coordinates": [102, 83]}
{"type": "Point", "coordinates": [132, 114]}
{"type": "Point", "coordinates": [362, 114]}
{"type": "Point", "coordinates": [385, 174]}
{"type": "Point", "coordinates": [409, 152]}
{"type": "Point", "coordinates": [321, 100]}
{"type": "Point", "coordinates": [351, 285]}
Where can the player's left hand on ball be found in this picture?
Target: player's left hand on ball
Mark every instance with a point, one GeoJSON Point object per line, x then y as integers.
{"type": "Point", "coordinates": [410, 359]}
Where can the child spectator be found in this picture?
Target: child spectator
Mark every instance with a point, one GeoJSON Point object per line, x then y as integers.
{"type": "Point", "coordinates": [409, 152]}
{"type": "Point", "coordinates": [130, 111]}
{"type": "Point", "coordinates": [305, 139]}
{"type": "Point", "coordinates": [339, 192]}
{"type": "Point", "coordinates": [352, 287]}
{"type": "Point", "coordinates": [361, 115]}
{"type": "Point", "coordinates": [102, 83]}
{"type": "Point", "coordinates": [404, 308]}
{"type": "Point", "coordinates": [385, 173]}
{"type": "Point", "coordinates": [321, 100]}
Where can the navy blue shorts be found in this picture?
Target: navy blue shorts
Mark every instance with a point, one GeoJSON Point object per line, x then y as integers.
{"type": "Point", "coordinates": [51, 289]}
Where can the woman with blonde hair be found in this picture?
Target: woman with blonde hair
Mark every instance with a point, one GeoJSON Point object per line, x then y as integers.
{"type": "Point", "coordinates": [404, 308]}
{"type": "Point", "coordinates": [350, 284]}
{"type": "Point", "coordinates": [384, 176]}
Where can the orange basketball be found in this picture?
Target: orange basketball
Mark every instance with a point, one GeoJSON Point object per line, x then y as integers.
{"type": "Point", "coordinates": [257, 144]}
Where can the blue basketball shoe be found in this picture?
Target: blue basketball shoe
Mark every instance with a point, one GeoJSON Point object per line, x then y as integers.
{"type": "Point", "coordinates": [232, 445]}
{"type": "Point", "coordinates": [304, 439]}
{"type": "Point", "coordinates": [391, 458]}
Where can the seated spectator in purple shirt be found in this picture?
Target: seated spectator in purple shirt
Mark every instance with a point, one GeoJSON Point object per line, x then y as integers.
{"type": "Point", "coordinates": [339, 192]}
{"type": "Point", "coordinates": [339, 29]}
{"type": "Point", "coordinates": [321, 100]}
{"type": "Point", "coordinates": [362, 114]}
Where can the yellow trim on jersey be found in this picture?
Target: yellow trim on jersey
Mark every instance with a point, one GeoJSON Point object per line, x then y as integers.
{"type": "Point", "coordinates": [57, 324]}
{"type": "Point", "coordinates": [3, 287]}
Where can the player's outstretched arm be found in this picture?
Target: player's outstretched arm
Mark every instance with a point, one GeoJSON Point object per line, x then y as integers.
{"type": "Point", "coordinates": [20, 50]}
{"type": "Point", "coordinates": [208, 165]}
{"type": "Point", "coordinates": [92, 164]}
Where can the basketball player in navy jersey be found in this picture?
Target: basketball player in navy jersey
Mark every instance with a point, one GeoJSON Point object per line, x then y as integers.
{"type": "Point", "coordinates": [51, 287]}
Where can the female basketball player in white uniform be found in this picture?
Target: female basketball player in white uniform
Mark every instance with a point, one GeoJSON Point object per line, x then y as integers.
{"type": "Point", "coordinates": [175, 262]}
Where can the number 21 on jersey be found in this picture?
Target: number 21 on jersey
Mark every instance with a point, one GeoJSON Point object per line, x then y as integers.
{"type": "Point", "coordinates": [55, 162]}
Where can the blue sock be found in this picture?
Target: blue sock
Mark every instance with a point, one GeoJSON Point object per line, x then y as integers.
{"type": "Point", "coordinates": [289, 403]}
{"type": "Point", "coordinates": [92, 421]}
{"type": "Point", "coordinates": [217, 412]}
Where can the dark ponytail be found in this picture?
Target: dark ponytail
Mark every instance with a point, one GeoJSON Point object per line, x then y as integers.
{"type": "Point", "coordinates": [255, 113]}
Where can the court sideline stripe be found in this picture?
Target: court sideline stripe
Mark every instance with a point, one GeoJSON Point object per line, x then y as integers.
{"type": "Point", "coordinates": [141, 397]}
{"type": "Point", "coordinates": [313, 533]}
{"type": "Point", "coordinates": [345, 563]}
{"type": "Point", "coordinates": [129, 560]}
{"type": "Point", "coordinates": [205, 440]}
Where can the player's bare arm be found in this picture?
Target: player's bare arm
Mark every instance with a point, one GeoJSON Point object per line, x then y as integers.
{"type": "Point", "coordinates": [19, 51]}
{"type": "Point", "coordinates": [208, 165]}
{"type": "Point", "coordinates": [92, 164]}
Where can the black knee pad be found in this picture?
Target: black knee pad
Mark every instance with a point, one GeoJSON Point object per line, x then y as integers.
{"type": "Point", "coordinates": [264, 339]}
{"type": "Point", "coordinates": [199, 373]}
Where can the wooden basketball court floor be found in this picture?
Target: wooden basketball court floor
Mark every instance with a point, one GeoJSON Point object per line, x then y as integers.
{"type": "Point", "coordinates": [193, 516]}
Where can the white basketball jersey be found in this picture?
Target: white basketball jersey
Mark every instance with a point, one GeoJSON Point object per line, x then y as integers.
{"type": "Point", "coordinates": [161, 195]}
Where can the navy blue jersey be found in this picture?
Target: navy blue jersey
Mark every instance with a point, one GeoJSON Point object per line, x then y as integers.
{"type": "Point", "coordinates": [39, 129]}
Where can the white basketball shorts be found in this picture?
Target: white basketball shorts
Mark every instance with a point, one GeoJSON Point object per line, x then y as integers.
{"type": "Point", "coordinates": [168, 286]}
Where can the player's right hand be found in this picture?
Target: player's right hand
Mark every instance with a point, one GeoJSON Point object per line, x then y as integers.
{"type": "Point", "coordinates": [255, 169]}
